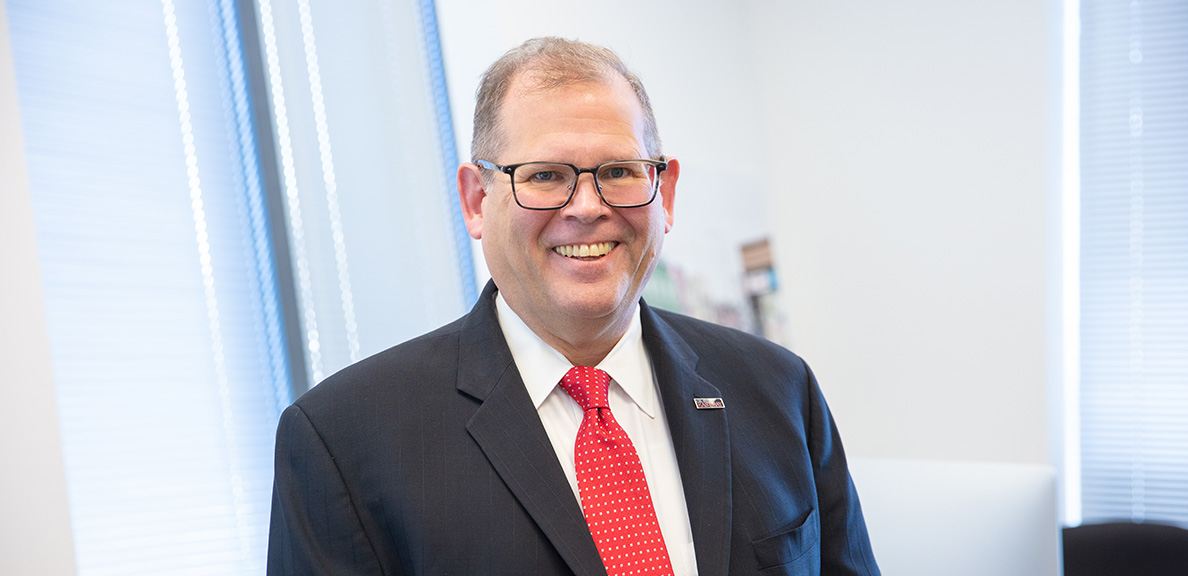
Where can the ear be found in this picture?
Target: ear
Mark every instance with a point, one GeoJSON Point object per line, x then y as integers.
{"type": "Point", "coordinates": [668, 181]}
{"type": "Point", "coordinates": [471, 192]}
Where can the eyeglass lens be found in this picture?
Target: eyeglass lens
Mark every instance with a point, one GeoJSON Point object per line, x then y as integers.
{"type": "Point", "coordinates": [548, 184]}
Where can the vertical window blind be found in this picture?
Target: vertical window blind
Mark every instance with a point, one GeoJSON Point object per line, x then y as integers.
{"type": "Point", "coordinates": [165, 332]}
{"type": "Point", "coordinates": [367, 174]}
{"type": "Point", "coordinates": [1134, 260]}
{"type": "Point", "coordinates": [162, 162]}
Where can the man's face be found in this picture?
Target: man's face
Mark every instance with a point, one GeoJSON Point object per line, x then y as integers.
{"type": "Point", "coordinates": [585, 125]}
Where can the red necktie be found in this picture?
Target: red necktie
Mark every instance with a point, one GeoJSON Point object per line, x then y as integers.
{"type": "Point", "coordinates": [615, 496]}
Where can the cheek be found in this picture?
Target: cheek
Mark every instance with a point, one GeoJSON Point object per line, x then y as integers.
{"type": "Point", "coordinates": [654, 227]}
{"type": "Point", "coordinates": [516, 238]}
{"type": "Point", "coordinates": [528, 227]}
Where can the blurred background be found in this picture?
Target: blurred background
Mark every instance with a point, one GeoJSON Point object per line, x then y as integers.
{"type": "Point", "coordinates": [970, 218]}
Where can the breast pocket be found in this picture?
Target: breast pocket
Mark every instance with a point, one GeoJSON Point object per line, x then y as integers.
{"type": "Point", "coordinates": [795, 542]}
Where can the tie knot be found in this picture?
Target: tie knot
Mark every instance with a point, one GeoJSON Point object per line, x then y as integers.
{"type": "Point", "coordinates": [588, 386]}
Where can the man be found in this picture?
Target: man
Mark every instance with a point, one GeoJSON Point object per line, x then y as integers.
{"type": "Point", "coordinates": [562, 426]}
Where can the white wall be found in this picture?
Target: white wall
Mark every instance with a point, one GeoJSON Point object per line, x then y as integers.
{"type": "Point", "coordinates": [913, 220]}
{"type": "Point", "coordinates": [900, 154]}
{"type": "Point", "coordinates": [35, 533]}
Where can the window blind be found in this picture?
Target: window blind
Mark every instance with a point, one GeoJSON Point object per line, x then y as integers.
{"type": "Point", "coordinates": [1134, 260]}
{"type": "Point", "coordinates": [159, 280]}
{"type": "Point", "coordinates": [166, 297]}
{"type": "Point", "coordinates": [366, 152]}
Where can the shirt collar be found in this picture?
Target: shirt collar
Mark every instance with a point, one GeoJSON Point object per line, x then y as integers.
{"type": "Point", "coordinates": [542, 367]}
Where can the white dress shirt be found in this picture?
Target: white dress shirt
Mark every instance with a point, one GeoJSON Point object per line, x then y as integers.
{"type": "Point", "coordinates": [635, 402]}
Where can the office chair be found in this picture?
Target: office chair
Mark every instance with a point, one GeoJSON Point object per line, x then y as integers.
{"type": "Point", "coordinates": [1125, 549]}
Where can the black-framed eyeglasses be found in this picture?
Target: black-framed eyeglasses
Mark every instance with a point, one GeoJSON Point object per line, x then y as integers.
{"type": "Point", "coordinates": [550, 185]}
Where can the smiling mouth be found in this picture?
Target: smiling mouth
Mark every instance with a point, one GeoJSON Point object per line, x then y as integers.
{"type": "Point", "coordinates": [586, 250]}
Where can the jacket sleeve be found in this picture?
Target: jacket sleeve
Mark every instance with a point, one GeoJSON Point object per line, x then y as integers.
{"type": "Point", "coordinates": [845, 545]}
{"type": "Point", "coordinates": [315, 527]}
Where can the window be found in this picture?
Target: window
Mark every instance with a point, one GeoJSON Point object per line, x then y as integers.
{"type": "Point", "coordinates": [231, 201]}
{"type": "Point", "coordinates": [366, 157]}
{"type": "Point", "coordinates": [165, 332]}
{"type": "Point", "coordinates": [1134, 260]}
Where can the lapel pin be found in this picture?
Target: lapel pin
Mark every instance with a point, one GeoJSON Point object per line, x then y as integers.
{"type": "Point", "coordinates": [708, 403]}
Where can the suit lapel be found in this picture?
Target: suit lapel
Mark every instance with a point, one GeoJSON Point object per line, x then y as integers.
{"type": "Point", "coordinates": [508, 429]}
{"type": "Point", "coordinates": [701, 439]}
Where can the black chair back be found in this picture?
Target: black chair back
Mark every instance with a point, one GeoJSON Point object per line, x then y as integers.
{"type": "Point", "coordinates": [1125, 549]}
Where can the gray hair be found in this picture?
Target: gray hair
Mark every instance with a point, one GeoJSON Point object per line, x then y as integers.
{"type": "Point", "coordinates": [555, 62]}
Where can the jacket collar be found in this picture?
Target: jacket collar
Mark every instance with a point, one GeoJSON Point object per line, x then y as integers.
{"type": "Point", "coordinates": [701, 439]}
{"type": "Point", "coordinates": [508, 430]}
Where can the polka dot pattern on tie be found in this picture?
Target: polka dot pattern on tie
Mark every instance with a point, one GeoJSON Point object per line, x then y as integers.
{"type": "Point", "coordinates": [615, 497]}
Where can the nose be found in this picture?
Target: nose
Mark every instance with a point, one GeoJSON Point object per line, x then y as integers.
{"type": "Point", "coordinates": [585, 204]}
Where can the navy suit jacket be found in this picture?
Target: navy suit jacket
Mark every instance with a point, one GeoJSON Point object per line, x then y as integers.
{"type": "Point", "coordinates": [429, 458]}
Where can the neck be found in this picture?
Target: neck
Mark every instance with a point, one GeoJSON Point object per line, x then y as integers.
{"type": "Point", "coordinates": [585, 355]}
{"type": "Point", "coordinates": [586, 345]}
{"type": "Point", "coordinates": [583, 341]}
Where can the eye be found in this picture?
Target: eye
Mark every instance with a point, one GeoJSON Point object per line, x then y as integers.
{"type": "Point", "coordinates": [623, 171]}
{"type": "Point", "coordinates": [617, 172]}
{"type": "Point", "coordinates": [544, 176]}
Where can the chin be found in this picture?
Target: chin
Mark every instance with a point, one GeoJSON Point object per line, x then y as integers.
{"type": "Point", "coordinates": [593, 303]}
{"type": "Point", "coordinates": [587, 301]}
{"type": "Point", "coordinates": [589, 310]}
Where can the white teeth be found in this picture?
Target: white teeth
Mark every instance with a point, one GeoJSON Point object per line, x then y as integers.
{"type": "Point", "coordinates": [585, 250]}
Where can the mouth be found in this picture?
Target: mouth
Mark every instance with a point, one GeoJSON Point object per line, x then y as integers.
{"type": "Point", "coordinates": [586, 251]}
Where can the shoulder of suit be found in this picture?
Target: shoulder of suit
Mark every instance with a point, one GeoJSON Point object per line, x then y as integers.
{"type": "Point", "coordinates": [425, 356]}
{"type": "Point", "coordinates": [689, 326]}
{"type": "Point", "coordinates": [706, 337]}
{"type": "Point", "coordinates": [750, 369]}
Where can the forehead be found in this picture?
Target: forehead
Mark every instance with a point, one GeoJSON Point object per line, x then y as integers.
{"type": "Point", "coordinates": [588, 114]}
